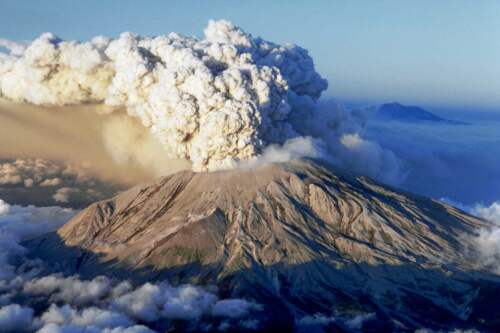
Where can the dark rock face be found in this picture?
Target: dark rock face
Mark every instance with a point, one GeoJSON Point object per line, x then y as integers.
{"type": "Point", "coordinates": [298, 237]}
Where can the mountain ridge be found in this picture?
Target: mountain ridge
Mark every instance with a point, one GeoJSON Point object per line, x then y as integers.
{"type": "Point", "coordinates": [300, 234]}
{"type": "Point", "coordinates": [395, 111]}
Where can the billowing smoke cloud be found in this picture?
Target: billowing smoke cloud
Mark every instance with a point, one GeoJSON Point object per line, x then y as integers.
{"type": "Point", "coordinates": [212, 101]}
{"type": "Point", "coordinates": [342, 134]}
{"type": "Point", "coordinates": [16, 49]}
{"type": "Point", "coordinates": [292, 149]}
{"type": "Point", "coordinates": [111, 146]}
{"type": "Point", "coordinates": [74, 156]}
{"type": "Point", "coordinates": [33, 298]}
{"type": "Point", "coordinates": [226, 100]}
{"type": "Point", "coordinates": [332, 133]}
{"type": "Point", "coordinates": [130, 144]}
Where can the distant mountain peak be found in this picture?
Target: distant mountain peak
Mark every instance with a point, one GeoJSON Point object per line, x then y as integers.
{"type": "Point", "coordinates": [397, 111]}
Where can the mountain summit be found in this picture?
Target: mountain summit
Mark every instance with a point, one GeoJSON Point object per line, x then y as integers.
{"type": "Point", "coordinates": [404, 113]}
{"type": "Point", "coordinates": [396, 111]}
{"type": "Point", "coordinates": [301, 236]}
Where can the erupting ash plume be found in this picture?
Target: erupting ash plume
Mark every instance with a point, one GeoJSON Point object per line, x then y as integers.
{"type": "Point", "coordinates": [213, 101]}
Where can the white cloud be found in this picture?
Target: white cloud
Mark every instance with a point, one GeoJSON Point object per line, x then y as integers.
{"type": "Point", "coordinates": [40, 179]}
{"type": "Point", "coordinates": [357, 321]}
{"type": "Point", "coordinates": [292, 149]}
{"type": "Point", "coordinates": [490, 213]}
{"type": "Point", "coordinates": [41, 172]}
{"type": "Point", "coordinates": [15, 318]}
{"type": "Point", "coordinates": [71, 289]}
{"type": "Point", "coordinates": [488, 245]}
{"type": "Point", "coordinates": [28, 182]}
{"type": "Point", "coordinates": [187, 302]}
{"type": "Point", "coordinates": [18, 223]}
{"type": "Point", "coordinates": [132, 329]}
{"type": "Point", "coordinates": [234, 308]}
{"type": "Point", "coordinates": [151, 302]}
{"type": "Point", "coordinates": [144, 303]}
{"type": "Point", "coordinates": [4, 208]}
{"type": "Point", "coordinates": [51, 182]}
{"type": "Point", "coordinates": [91, 316]}
{"type": "Point", "coordinates": [317, 319]}
{"type": "Point", "coordinates": [487, 242]}
{"type": "Point", "coordinates": [55, 328]}
{"type": "Point", "coordinates": [64, 194]}
{"type": "Point", "coordinates": [16, 49]}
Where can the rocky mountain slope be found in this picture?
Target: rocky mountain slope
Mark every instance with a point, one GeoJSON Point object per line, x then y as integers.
{"type": "Point", "coordinates": [300, 238]}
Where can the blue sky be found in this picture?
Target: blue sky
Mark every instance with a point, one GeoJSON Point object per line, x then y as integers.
{"type": "Point", "coordinates": [432, 53]}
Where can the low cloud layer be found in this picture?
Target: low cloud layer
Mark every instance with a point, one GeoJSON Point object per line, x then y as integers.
{"type": "Point", "coordinates": [35, 299]}
{"type": "Point", "coordinates": [45, 183]}
{"type": "Point", "coordinates": [444, 160]}
{"type": "Point", "coordinates": [323, 323]}
{"type": "Point", "coordinates": [18, 223]}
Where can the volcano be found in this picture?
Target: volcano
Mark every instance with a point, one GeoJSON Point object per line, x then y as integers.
{"type": "Point", "coordinates": [300, 238]}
